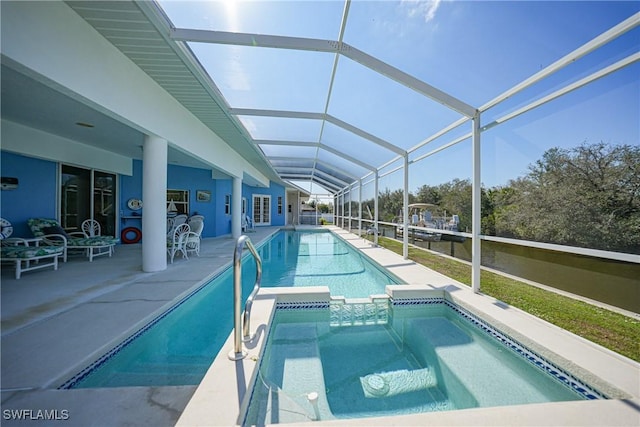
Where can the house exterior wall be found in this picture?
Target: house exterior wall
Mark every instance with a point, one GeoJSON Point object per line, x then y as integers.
{"type": "Point", "coordinates": [37, 194]}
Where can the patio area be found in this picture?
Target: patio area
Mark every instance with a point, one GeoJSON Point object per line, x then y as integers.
{"type": "Point", "coordinates": [54, 322]}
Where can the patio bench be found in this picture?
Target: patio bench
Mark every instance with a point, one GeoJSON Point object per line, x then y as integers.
{"type": "Point", "coordinates": [53, 234]}
{"type": "Point", "coordinates": [27, 258]}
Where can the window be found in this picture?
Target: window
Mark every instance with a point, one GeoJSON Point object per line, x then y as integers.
{"type": "Point", "coordinates": [279, 205]}
{"type": "Point", "coordinates": [178, 202]}
{"type": "Point", "coordinates": [227, 204]}
{"type": "Point", "coordinates": [244, 206]}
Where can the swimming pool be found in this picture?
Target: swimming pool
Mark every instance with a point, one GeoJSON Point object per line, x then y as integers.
{"type": "Point", "coordinates": [320, 258]}
{"type": "Point", "coordinates": [178, 346]}
{"type": "Point", "coordinates": [418, 356]}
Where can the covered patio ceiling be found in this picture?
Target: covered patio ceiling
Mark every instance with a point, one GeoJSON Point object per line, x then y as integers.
{"type": "Point", "coordinates": [329, 92]}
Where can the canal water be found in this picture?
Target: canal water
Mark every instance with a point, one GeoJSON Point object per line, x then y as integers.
{"type": "Point", "coordinates": [612, 282]}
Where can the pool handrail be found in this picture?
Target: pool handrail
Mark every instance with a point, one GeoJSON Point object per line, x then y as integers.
{"type": "Point", "coordinates": [243, 322]}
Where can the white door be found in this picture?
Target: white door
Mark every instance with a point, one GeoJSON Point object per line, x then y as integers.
{"type": "Point", "coordinates": [261, 209]}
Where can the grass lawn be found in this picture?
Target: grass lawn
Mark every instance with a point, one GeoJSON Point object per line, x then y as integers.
{"type": "Point", "coordinates": [609, 329]}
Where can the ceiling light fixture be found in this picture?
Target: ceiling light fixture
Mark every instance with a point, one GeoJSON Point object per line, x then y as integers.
{"type": "Point", "coordinates": [86, 125]}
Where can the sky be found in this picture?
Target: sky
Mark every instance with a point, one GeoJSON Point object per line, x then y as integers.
{"type": "Point", "coordinates": [471, 50]}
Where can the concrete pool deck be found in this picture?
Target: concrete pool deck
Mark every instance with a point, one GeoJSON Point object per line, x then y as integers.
{"type": "Point", "coordinates": [55, 322]}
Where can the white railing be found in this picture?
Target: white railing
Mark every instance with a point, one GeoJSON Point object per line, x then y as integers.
{"type": "Point", "coordinates": [241, 323]}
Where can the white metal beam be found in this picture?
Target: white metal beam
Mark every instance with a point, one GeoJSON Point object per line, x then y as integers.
{"type": "Point", "coordinates": [347, 157]}
{"type": "Point", "coordinates": [363, 134]}
{"type": "Point", "coordinates": [319, 45]}
{"type": "Point", "coordinates": [286, 170]}
{"type": "Point", "coordinates": [290, 159]}
{"type": "Point", "coordinates": [253, 40]}
{"type": "Point", "coordinates": [604, 38]}
{"type": "Point", "coordinates": [318, 116]}
{"type": "Point", "coordinates": [408, 80]}
{"type": "Point", "coordinates": [311, 159]}
{"type": "Point", "coordinates": [338, 170]}
{"type": "Point", "coordinates": [438, 134]}
{"type": "Point", "coordinates": [276, 113]}
{"type": "Point", "coordinates": [443, 147]}
{"type": "Point", "coordinates": [279, 142]}
{"type": "Point", "coordinates": [330, 177]}
{"type": "Point", "coordinates": [321, 181]}
{"type": "Point", "coordinates": [573, 86]}
{"type": "Point", "coordinates": [321, 146]}
{"type": "Point", "coordinates": [334, 187]}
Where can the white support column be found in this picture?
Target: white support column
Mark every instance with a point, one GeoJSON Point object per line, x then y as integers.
{"type": "Point", "coordinates": [476, 203]}
{"type": "Point", "coordinates": [154, 202]}
{"type": "Point", "coordinates": [236, 208]}
{"type": "Point", "coordinates": [360, 207]}
{"type": "Point", "coordinates": [298, 208]}
{"type": "Point", "coordinates": [342, 209]}
{"type": "Point", "coordinates": [375, 208]}
{"type": "Point", "coordinates": [405, 209]}
{"type": "Point", "coordinates": [336, 210]}
{"type": "Point", "coordinates": [350, 199]}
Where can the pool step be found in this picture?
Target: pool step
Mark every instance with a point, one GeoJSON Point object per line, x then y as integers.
{"type": "Point", "coordinates": [359, 312]}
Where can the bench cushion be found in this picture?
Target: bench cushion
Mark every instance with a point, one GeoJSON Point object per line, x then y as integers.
{"type": "Point", "coordinates": [28, 252]}
{"type": "Point", "coordinates": [91, 241]}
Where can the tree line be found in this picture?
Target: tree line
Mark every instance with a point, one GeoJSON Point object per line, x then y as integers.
{"type": "Point", "coordinates": [587, 196]}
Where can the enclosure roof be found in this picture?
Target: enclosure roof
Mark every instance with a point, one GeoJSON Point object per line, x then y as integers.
{"type": "Point", "coordinates": [327, 91]}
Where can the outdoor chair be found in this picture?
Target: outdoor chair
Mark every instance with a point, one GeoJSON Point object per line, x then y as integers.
{"type": "Point", "coordinates": [174, 222]}
{"type": "Point", "coordinates": [247, 224]}
{"type": "Point", "coordinates": [196, 225]}
{"type": "Point", "coordinates": [177, 242]}
{"type": "Point", "coordinates": [179, 220]}
{"type": "Point", "coordinates": [53, 234]}
{"type": "Point", "coordinates": [92, 228]}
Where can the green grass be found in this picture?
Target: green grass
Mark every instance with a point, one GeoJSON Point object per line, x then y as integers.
{"type": "Point", "coordinates": [609, 329]}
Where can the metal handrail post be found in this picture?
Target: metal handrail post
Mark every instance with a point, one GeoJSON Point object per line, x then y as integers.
{"type": "Point", "coordinates": [238, 353]}
{"type": "Point", "coordinates": [246, 318]}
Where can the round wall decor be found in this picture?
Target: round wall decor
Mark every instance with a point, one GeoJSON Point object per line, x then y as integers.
{"type": "Point", "coordinates": [6, 229]}
{"type": "Point", "coordinates": [134, 204]}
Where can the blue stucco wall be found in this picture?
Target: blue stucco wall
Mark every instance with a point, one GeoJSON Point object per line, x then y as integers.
{"type": "Point", "coordinates": [192, 179]}
{"type": "Point", "coordinates": [224, 187]}
{"type": "Point", "coordinates": [35, 195]}
{"type": "Point", "coordinates": [223, 221]}
{"type": "Point", "coordinates": [178, 178]}
{"type": "Point", "coordinates": [275, 191]}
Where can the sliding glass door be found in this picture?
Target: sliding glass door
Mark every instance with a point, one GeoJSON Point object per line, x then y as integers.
{"type": "Point", "coordinates": [87, 194]}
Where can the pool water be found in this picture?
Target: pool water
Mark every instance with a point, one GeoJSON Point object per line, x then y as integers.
{"type": "Point", "coordinates": [178, 347]}
{"type": "Point", "coordinates": [422, 358]}
{"type": "Point", "coordinates": [321, 259]}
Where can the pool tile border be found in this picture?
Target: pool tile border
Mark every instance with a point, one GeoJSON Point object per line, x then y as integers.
{"type": "Point", "coordinates": [309, 305]}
